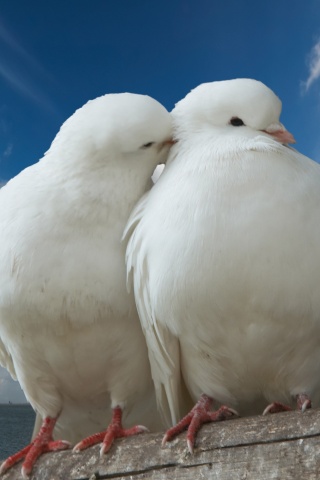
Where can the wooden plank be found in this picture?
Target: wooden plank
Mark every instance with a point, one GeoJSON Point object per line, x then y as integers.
{"type": "Point", "coordinates": [281, 446]}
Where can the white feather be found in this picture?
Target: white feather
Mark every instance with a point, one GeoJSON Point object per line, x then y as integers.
{"type": "Point", "coordinates": [69, 330]}
{"type": "Point", "coordinates": [229, 238]}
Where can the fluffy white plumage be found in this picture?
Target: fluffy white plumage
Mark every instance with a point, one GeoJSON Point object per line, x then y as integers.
{"type": "Point", "coordinates": [225, 255]}
{"type": "Point", "coordinates": [69, 330]}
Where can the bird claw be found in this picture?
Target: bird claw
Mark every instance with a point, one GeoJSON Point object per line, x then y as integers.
{"type": "Point", "coordinates": [57, 445]}
{"type": "Point", "coordinates": [165, 440]}
{"type": "Point", "coordinates": [107, 437]}
{"type": "Point", "coordinates": [199, 415]}
{"type": "Point", "coordinates": [190, 445]}
{"type": "Point", "coordinates": [276, 407]}
{"type": "Point", "coordinates": [306, 404]}
{"type": "Point", "coordinates": [30, 454]}
{"type": "Point", "coordinates": [42, 443]}
{"type": "Point", "coordinates": [303, 403]}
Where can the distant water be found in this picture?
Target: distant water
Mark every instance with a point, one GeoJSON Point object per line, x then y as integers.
{"type": "Point", "coordinates": [16, 427]}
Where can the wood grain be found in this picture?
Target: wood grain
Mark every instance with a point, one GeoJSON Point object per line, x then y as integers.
{"type": "Point", "coordinates": [281, 446]}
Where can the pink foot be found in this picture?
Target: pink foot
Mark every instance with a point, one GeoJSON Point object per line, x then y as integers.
{"type": "Point", "coordinates": [303, 403]}
{"type": "Point", "coordinates": [42, 443]}
{"type": "Point", "coordinates": [114, 430]}
{"type": "Point", "coordinates": [199, 415]}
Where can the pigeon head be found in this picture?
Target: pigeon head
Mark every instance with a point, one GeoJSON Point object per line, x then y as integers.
{"type": "Point", "coordinates": [240, 107]}
{"type": "Point", "coordinates": [117, 127]}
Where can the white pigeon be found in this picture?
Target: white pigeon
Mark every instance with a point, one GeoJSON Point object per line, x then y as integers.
{"type": "Point", "coordinates": [69, 330]}
{"type": "Point", "coordinates": [225, 255]}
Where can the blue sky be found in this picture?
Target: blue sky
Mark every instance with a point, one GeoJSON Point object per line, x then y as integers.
{"type": "Point", "coordinates": [56, 55]}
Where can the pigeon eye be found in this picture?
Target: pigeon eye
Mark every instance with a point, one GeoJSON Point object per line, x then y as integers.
{"type": "Point", "coordinates": [236, 122]}
{"type": "Point", "coordinates": [148, 145]}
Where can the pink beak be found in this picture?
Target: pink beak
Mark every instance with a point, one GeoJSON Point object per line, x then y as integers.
{"type": "Point", "coordinates": [281, 135]}
{"type": "Point", "coordinates": [170, 142]}
{"type": "Point", "coordinates": [166, 143]}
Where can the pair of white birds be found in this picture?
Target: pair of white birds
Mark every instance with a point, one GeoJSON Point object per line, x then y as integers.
{"type": "Point", "coordinates": [223, 251]}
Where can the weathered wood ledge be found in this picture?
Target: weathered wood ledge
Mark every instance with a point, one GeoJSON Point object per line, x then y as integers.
{"type": "Point", "coordinates": [280, 446]}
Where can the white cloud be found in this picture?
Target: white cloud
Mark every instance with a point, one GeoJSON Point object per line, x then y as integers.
{"type": "Point", "coordinates": [314, 66]}
{"type": "Point", "coordinates": [19, 68]}
{"type": "Point", "coordinates": [8, 150]}
{"type": "Point", "coordinates": [7, 37]}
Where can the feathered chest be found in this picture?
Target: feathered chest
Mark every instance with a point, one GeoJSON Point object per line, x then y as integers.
{"type": "Point", "coordinates": [232, 230]}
